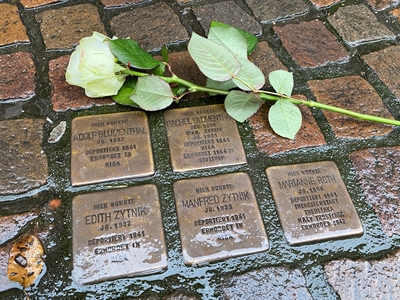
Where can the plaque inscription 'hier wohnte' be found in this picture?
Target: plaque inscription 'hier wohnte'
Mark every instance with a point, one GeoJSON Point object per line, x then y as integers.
{"type": "Point", "coordinates": [110, 146]}
{"type": "Point", "coordinates": [218, 218]}
{"type": "Point", "coordinates": [117, 233]}
{"type": "Point", "coordinates": [203, 137]}
{"type": "Point", "coordinates": [312, 202]}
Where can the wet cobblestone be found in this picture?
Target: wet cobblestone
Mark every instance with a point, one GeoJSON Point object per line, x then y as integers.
{"type": "Point", "coordinates": [165, 29]}
{"type": "Point", "coordinates": [18, 76]}
{"type": "Point", "coordinates": [65, 96]}
{"type": "Point", "coordinates": [226, 12]}
{"type": "Point", "coordinates": [309, 136]}
{"type": "Point", "coordinates": [387, 66]}
{"type": "Point", "coordinates": [270, 10]}
{"type": "Point", "coordinates": [36, 3]}
{"type": "Point", "coordinates": [357, 25]}
{"type": "Point", "coordinates": [365, 279]}
{"type": "Point", "coordinates": [12, 224]}
{"type": "Point", "coordinates": [341, 52]}
{"type": "Point", "coordinates": [24, 164]}
{"type": "Point", "coordinates": [354, 93]}
{"type": "Point", "coordinates": [269, 283]}
{"type": "Point", "coordinates": [310, 44]}
{"type": "Point", "coordinates": [12, 29]}
{"type": "Point", "coordinates": [378, 173]}
{"type": "Point", "coordinates": [65, 27]}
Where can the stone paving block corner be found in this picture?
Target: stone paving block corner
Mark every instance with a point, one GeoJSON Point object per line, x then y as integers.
{"type": "Point", "coordinates": [353, 93]}
{"type": "Point", "coordinates": [22, 157]}
{"type": "Point", "coordinates": [361, 279]}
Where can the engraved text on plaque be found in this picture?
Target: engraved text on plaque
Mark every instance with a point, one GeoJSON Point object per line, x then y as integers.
{"type": "Point", "coordinates": [218, 218]}
{"type": "Point", "coordinates": [111, 146]}
{"type": "Point", "coordinates": [203, 137]}
{"type": "Point", "coordinates": [117, 233]}
{"type": "Point", "coordinates": [313, 203]}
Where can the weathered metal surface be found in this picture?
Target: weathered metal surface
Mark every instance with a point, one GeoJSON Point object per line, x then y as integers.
{"type": "Point", "coordinates": [313, 203]}
{"type": "Point", "coordinates": [203, 137]}
{"type": "Point", "coordinates": [218, 218]}
{"type": "Point", "coordinates": [117, 233]}
{"type": "Point", "coordinates": [110, 146]}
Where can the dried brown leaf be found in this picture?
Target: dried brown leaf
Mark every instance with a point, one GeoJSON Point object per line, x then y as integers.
{"type": "Point", "coordinates": [25, 262]}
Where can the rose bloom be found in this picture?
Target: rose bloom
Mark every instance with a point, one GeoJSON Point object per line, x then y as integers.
{"type": "Point", "coordinates": [93, 67]}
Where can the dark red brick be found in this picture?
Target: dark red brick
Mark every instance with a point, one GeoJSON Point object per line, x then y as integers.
{"type": "Point", "coordinates": [378, 173]}
{"type": "Point", "coordinates": [65, 96]}
{"type": "Point", "coordinates": [164, 27]}
{"type": "Point", "coordinates": [64, 27]}
{"type": "Point", "coordinates": [17, 76]}
{"type": "Point", "coordinates": [310, 44]}
{"type": "Point", "coordinates": [270, 143]}
{"type": "Point", "coordinates": [351, 93]}
{"type": "Point", "coordinates": [387, 65]}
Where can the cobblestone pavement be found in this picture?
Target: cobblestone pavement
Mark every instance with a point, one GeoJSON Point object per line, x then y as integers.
{"type": "Point", "coordinates": [344, 53]}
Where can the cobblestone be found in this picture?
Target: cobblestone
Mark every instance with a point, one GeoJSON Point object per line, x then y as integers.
{"type": "Point", "coordinates": [36, 3]}
{"type": "Point", "coordinates": [354, 93]}
{"type": "Point", "coordinates": [64, 27]}
{"type": "Point", "coordinates": [270, 10]}
{"type": "Point", "coordinates": [229, 13]}
{"type": "Point", "coordinates": [341, 52]}
{"type": "Point", "coordinates": [264, 58]}
{"type": "Point", "coordinates": [268, 283]}
{"type": "Point", "coordinates": [382, 4]}
{"type": "Point", "coordinates": [10, 225]}
{"type": "Point", "coordinates": [65, 96]}
{"type": "Point", "coordinates": [164, 29]}
{"type": "Point", "coordinates": [378, 173]}
{"type": "Point", "coordinates": [324, 3]}
{"type": "Point", "coordinates": [24, 164]}
{"type": "Point", "coordinates": [117, 3]}
{"type": "Point", "coordinates": [18, 76]}
{"type": "Point", "coordinates": [386, 64]}
{"type": "Point", "coordinates": [271, 144]}
{"type": "Point", "coordinates": [310, 44]}
{"type": "Point", "coordinates": [357, 25]}
{"type": "Point", "coordinates": [377, 279]}
{"type": "Point", "coordinates": [12, 29]}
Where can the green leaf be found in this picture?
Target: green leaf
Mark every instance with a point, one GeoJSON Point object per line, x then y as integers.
{"type": "Point", "coordinates": [124, 93]}
{"type": "Point", "coordinates": [285, 118]}
{"type": "Point", "coordinates": [214, 60]}
{"type": "Point", "coordinates": [164, 54]}
{"type": "Point", "coordinates": [179, 90]}
{"type": "Point", "coordinates": [282, 82]}
{"type": "Point", "coordinates": [152, 93]}
{"type": "Point", "coordinates": [251, 40]}
{"type": "Point", "coordinates": [220, 85]}
{"type": "Point", "coordinates": [230, 38]}
{"type": "Point", "coordinates": [159, 70]}
{"type": "Point", "coordinates": [249, 77]}
{"type": "Point", "coordinates": [240, 105]}
{"type": "Point", "coordinates": [123, 96]}
{"type": "Point", "coordinates": [129, 52]}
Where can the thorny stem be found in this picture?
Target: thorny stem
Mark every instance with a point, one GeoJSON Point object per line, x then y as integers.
{"type": "Point", "coordinates": [270, 96]}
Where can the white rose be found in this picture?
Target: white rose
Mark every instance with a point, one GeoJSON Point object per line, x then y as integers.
{"type": "Point", "coordinates": [93, 67]}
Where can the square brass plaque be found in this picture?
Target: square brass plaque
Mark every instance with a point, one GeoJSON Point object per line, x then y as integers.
{"type": "Point", "coordinates": [203, 137]}
{"type": "Point", "coordinates": [313, 203]}
{"type": "Point", "coordinates": [117, 233]}
{"type": "Point", "coordinates": [218, 218]}
{"type": "Point", "coordinates": [110, 146]}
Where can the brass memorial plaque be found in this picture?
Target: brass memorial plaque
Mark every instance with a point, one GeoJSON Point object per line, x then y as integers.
{"type": "Point", "coordinates": [203, 137]}
{"type": "Point", "coordinates": [117, 233]}
{"type": "Point", "coordinates": [110, 146]}
{"type": "Point", "coordinates": [218, 218]}
{"type": "Point", "coordinates": [313, 203]}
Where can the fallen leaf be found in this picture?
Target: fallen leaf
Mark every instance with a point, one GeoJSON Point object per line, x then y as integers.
{"type": "Point", "coordinates": [25, 262]}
